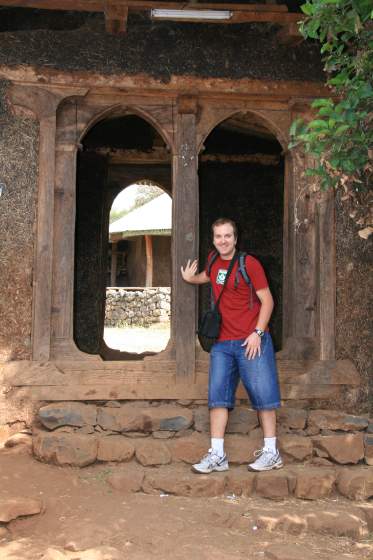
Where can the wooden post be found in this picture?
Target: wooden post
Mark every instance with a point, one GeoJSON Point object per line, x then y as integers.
{"type": "Point", "coordinates": [327, 275]}
{"type": "Point", "coordinates": [149, 261]}
{"type": "Point", "coordinates": [114, 264]}
{"type": "Point", "coordinates": [185, 236]}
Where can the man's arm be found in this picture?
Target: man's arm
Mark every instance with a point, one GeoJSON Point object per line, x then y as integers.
{"type": "Point", "coordinates": [253, 341]}
{"type": "Point", "coordinates": [189, 273]}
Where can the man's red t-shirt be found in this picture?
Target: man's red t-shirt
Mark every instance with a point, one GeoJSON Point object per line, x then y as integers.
{"type": "Point", "coordinates": [239, 317]}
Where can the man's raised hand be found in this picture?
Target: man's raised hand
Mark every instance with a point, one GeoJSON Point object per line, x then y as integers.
{"type": "Point", "coordinates": [189, 271]}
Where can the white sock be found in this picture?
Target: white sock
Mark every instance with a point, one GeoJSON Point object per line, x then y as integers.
{"type": "Point", "coordinates": [270, 444]}
{"type": "Point", "coordinates": [217, 445]}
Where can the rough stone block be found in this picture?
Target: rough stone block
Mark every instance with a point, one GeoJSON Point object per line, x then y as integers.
{"type": "Point", "coordinates": [150, 453]}
{"type": "Point", "coordinates": [239, 483]}
{"type": "Point", "coordinates": [335, 420]}
{"type": "Point", "coordinates": [296, 448]}
{"type": "Point", "coordinates": [356, 484]}
{"type": "Point", "coordinates": [11, 508]}
{"type": "Point", "coordinates": [367, 510]}
{"type": "Point", "coordinates": [189, 449]}
{"type": "Point", "coordinates": [127, 481]}
{"type": "Point", "coordinates": [201, 419]}
{"type": "Point", "coordinates": [341, 524]}
{"type": "Point", "coordinates": [115, 448]}
{"type": "Point", "coordinates": [368, 449]}
{"type": "Point", "coordinates": [242, 420]}
{"type": "Point", "coordinates": [65, 449]}
{"type": "Point", "coordinates": [132, 418]}
{"type": "Point", "coordinates": [292, 418]}
{"type": "Point", "coordinates": [240, 449]}
{"type": "Point", "coordinates": [67, 414]}
{"type": "Point", "coordinates": [188, 484]}
{"type": "Point", "coordinates": [343, 449]}
{"type": "Point", "coordinates": [272, 485]}
{"type": "Point", "coordinates": [287, 523]}
{"type": "Point", "coordinates": [313, 484]}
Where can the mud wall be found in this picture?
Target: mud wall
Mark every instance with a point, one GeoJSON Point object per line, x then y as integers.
{"type": "Point", "coordinates": [158, 49]}
{"type": "Point", "coordinates": [19, 140]}
{"type": "Point", "coordinates": [252, 196]}
{"type": "Point", "coordinates": [354, 323]}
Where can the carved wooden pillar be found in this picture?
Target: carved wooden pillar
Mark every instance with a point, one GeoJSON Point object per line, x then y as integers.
{"type": "Point", "coordinates": [303, 336]}
{"type": "Point", "coordinates": [327, 275]}
{"type": "Point", "coordinates": [44, 104]}
{"type": "Point", "coordinates": [185, 236]}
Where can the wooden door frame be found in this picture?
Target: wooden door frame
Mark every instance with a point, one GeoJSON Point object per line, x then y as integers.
{"type": "Point", "coordinates": [66, 114]}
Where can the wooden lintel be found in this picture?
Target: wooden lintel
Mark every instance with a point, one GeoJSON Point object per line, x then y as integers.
{"type": "Point", "coordinates": [99, 5]}
{"type": "Point", "coordinates": [163, 157]}
{"type": "Point", "coordinates": [116, 16]}
{"type": "Point", "coordinates": [114, 10]}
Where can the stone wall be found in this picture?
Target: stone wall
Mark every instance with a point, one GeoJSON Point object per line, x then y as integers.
{"type": "Point", "coordinates": [19, 137]}
{"type": "Point", "coordinates": [137, 307]}
{"type": "Point", "coordinates": [159, 433]}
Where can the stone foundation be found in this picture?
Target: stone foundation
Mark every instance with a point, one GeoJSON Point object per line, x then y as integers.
{"type": "Point", "coordinates": [137, 307]}
{"type": "Point", "coordinates": [155, 433]}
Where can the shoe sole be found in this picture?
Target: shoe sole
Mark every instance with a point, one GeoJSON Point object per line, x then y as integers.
{"type": "Point", "coordinates": [215, 469]}
{"type": "Point", "coordinates": [273, 467]}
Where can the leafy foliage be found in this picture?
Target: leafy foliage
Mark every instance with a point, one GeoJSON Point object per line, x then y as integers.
{"type": "Point", "coordinates": [340, 137]}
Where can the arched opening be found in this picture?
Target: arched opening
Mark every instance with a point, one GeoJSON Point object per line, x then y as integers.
{"type": "Point", "coordinates": [241, 176]}
{"type": "Point", "coordinates": [117, 152]}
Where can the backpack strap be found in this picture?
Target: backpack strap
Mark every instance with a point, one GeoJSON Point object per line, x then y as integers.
{"type": "Point", "coordinates": [241, 269]}
{"type": "Point", "coordinates": [212, 258]}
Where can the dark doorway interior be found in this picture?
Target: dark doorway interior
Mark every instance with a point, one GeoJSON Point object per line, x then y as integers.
{"type": "Point", "coordinates": [241, 174]}
{"type": "Point", "coordinates": [117, 152]}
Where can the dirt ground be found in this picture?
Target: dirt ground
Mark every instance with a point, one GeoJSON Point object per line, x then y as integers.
{"type": "Point", "coordinates": [138, 339]}
{"type": "Point", "coordinates": [83, 515]}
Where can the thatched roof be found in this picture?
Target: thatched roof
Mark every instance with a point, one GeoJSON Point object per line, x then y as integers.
{"type": "Point", "coordinates": [152, 218]}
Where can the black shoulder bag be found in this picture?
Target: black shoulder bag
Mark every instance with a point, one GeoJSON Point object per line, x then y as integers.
{"type": "Point", "coordinates": [209, 327]}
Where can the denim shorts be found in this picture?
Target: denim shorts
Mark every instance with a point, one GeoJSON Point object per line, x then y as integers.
{"type": "Point", "coordinates": [228, 364]}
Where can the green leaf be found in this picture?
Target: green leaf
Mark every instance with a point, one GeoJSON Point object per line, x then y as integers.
{"type": "Point", "coordinates": [317, 123]}
{"type": "Point", "coordinates": [341, 129]}
{"type": "Point", "coordinates": [307, 9]}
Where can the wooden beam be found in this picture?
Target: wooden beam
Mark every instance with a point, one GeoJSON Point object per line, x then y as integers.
{"type": "Point", "coordinates": [149, 261]}
{"type": "Point", "coordinates": [140, 5]}
{"type": "Point", "coordinates": [163, 156]}
{"type": "Point", "coordinates": [116, 16]}
{"type": "Point", "coordinates": [116, 11]}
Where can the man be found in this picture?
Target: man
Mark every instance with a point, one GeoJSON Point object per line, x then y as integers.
{"type": "Point", "coordinates": [244, 350]}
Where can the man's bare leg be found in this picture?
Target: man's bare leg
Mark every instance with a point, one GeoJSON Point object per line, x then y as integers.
{"type": "Point", "coordinates": [267, 419]}
{"type": "Point", "coordinates": [218, 422]}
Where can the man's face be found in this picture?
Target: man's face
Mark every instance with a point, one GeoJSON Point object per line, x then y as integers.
{"type": "Point", "coordinates": [225, 240]}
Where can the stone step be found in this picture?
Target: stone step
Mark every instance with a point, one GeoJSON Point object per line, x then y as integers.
{"type": "Point", "coordinates": [78, 434]}
{"type": "Point", "coordinates": [305, 483]}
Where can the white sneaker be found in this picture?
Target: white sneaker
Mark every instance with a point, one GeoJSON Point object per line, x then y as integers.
{"type": "Point", "coordinates": [266, 461]}
{"type": "Point", "coordinates": [211, 462]}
